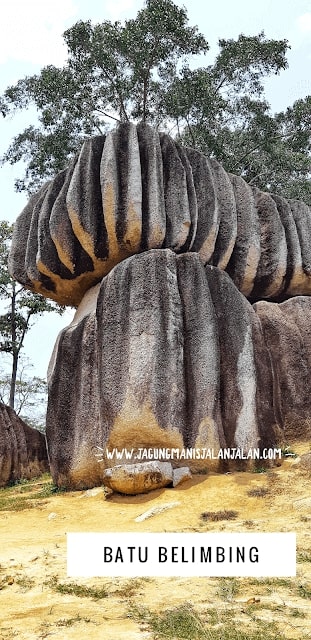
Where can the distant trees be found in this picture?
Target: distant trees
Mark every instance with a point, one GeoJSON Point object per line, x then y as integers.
{"type": "Point", "coordinates": [30, 394]}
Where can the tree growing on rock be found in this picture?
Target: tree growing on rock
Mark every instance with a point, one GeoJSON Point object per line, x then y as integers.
{"type": "Point", "coordinates": [144, 70]}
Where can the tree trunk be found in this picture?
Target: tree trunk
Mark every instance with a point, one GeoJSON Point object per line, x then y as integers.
{"type": "Point", "coordinates": [14, 350]}
{"type": "Point", "coordinates": [13, 380]}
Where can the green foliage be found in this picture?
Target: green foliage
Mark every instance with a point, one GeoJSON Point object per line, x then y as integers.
{"type": "Point", "coordinates": [180, 622]}
{"type": "Point", "coordinates": [143, 69]}
{"type": "Point", "coordinates": [221, 110]}
{"type": "Point", "coordinates": [69, 622]}
{"type": "Point", "coordinates": [79, 590]}
{"type": "Point", "coordinates": [25, 582]}
{"type": "Point", "coordinates": [304, 555]}
{"type": "Point", "coordinates": [228, 588]}
{"type": "Point", "coordinates": [304, 591]}
{"type": "Point", "coordinates": [185, 623]}
{"type": "Point", "coordinates": [24, 494]}
{"type": "Point", "coordinates": [113, 71]}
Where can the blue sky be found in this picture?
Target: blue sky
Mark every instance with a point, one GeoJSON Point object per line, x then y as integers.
{"type": "Point", "coordinates": [31, 37]}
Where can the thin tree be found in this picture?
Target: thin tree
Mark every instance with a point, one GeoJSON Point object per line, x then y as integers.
{"type": "Point", "coordinates": [19, 309]}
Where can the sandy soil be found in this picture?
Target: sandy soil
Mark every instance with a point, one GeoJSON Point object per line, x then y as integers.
{"type": "Point", "coordinates": [33, 556]}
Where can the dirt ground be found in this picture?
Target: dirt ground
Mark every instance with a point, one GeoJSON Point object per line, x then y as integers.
{"type": "Point", "coordinates": [37, 600]}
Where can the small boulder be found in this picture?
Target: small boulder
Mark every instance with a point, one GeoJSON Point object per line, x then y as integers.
{"type": "Point", "coordinates": [133, 479]}
{"type": "Point", "coordinates": [181, 475]}
{"type": "Point", "coordinates": [155, 510]}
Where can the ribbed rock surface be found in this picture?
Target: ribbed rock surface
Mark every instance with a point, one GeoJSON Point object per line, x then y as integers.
{"type": "Point", "coordinates": [136, 190]}
{"type": "Point", "coordinates": [287, 332]}
{"type": "Point", "coordinates": [164, 353]}
{"type": "Point", "coordinates": [22, 449]}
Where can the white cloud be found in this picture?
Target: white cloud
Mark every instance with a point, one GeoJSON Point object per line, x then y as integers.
{"type": "Point", "coordinates": [304, 22]}
{"type": "Point", "coordinates": [31, 30]}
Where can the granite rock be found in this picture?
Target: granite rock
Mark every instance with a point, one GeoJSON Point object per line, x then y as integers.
{"type": "Point", "coordinates": [132, 479]}
{"type": "Point", "coordinates": [23, 453]}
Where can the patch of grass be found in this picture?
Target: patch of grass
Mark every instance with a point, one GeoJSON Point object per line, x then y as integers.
{"type": "Point", "coordinates": [216, 516]}
{"type": "Point", "coordinates": [254, 606]}
{"type": "Point", "coordinates": [69, 622]}
{"type": "Point", "coordinates": [297, 613]}
{"type": "Point", "coordinates": [270, 582]}
{"type": "Point", "coordinates": [228, 588]}
{"type": "Point", "coordinates": [180, 622]}
{"type": "Point", "coordinates": [184, 623]}
{"type": "Point", "coordinates": [7, 633]}
{"type": "Point", "coordinates": [25, 582]}
{"type": "Point", "coordinates": [20, 481]}
{"type": "Point", "coordinates": [304, 556]}
{"type": "Point", "coordinates": [80, 590]}
{"type": "Point", "coordinates": [249, 524]}
{"type": "Point", "coordinates": [21, 494]}
{"type": "Point", "coordinates": [14, 503]}
{"type": "Point", "coordinates": [258, 492]}
{"type": "Point", "coordinates": [49, 490]}
{"type": "Point", "coordinates": [129, 589]}
{"type": "Point", "coordinates": [304, 591]}
{"type": "Point", "coordinates": [215, 616]}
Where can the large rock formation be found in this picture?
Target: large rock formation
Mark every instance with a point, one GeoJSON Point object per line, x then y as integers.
{"type": "Point", "coordinates": [164, 252]}
{"type": "Point", "coordinates": [136, 190]}
{"type": "Point", "coordinates": [23, 451]}
{"type": "Point", "coordinates": [164, 353]}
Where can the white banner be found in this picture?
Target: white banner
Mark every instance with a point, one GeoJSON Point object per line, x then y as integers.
{"type": "Point", "coordinates": [181, 554]}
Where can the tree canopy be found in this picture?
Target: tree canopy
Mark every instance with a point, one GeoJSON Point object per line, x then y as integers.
{"type": "Point", "coordinates": [144, 69]}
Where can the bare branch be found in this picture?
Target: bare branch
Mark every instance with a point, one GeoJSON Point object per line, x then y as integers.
{"type": "Point", "coordinates": [107, 115]}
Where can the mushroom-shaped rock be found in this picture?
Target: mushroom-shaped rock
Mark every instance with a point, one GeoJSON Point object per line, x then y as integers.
{"type": "Point", "coordinates": [163, 252]}
{"type": "Point", "coordinates": [136, 190]}
{"type": "Point", "coordinates": [165, 353]}
{"type": "Point", "coordinates": [23, 453]}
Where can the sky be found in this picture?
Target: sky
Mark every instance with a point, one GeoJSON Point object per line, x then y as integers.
{"type": "Point", "coordinates": [31, 37]}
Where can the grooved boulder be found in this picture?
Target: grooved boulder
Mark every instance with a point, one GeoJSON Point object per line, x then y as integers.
{"type": "Point", "coordinates": [165, 353]}
{"type": "Point", "coordinates": [136, 190]}
{"type": "Point", "coordinates": [287, 332]}
{"type": "Point", "coordinates": [182, 338]}
{"type": "Point", "coordinates": [23, 451]}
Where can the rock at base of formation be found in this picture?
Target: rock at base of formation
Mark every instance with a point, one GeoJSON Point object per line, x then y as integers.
{"type": "Point", "coordinates": [287, 332]}
{"type": "Point", "coordinates": [181, 475]}
{"type": "Point", "coordinates": [132, 479]}
{"type": "Point", "coordinates": [23, 453]}
{"type": "Point", "coordinates": [164, 353]}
